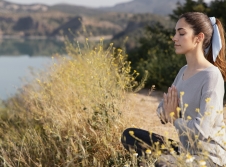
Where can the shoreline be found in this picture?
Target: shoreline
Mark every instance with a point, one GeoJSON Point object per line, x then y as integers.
{"type": "Point", "coordinates": [59, 38]}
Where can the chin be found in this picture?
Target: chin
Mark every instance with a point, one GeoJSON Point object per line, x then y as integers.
{"type": "Point", "coordinates": [179, 52]}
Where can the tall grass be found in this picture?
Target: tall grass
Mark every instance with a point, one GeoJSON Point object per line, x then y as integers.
{"type": "Point", "coordinates": [72, 114]}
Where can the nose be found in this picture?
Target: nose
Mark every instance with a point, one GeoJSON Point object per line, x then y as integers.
{"type": "Point", "coordinates": [174, 38]}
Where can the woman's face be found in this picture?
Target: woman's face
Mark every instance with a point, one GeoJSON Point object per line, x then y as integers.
{"type": "Point", "coordinates": [184, 40]}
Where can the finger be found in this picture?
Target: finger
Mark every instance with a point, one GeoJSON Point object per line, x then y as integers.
{"type": "Point", "coordinates": [174, 94]}
{"type": "Point", "coordinates": [165, 98]}
{"type": "Point", "coordinates": [168, 89]}
{"type": "Point", "coordinates": [169, 93]}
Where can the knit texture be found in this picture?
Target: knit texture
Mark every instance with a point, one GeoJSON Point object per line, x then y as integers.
{"type": "Point", "coordinates": [202, 126]}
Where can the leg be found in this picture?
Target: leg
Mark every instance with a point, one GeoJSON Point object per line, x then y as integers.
{"type": "Point", "coordinates": [141, 140]}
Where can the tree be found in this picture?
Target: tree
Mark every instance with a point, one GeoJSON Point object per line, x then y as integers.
{"type": "Point", "coordinates": [156, 55]}
{"type": "Point", "coordinates": [189, 6]}
{"type": "Point", "coordinates": [217, 9]}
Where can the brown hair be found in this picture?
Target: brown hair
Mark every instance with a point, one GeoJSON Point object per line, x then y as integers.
{"type": "Point", "coordinates": [201, 23]}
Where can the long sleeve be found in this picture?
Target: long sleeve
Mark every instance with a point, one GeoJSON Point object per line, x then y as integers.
{"type": "Point", "coordinates": [207, 121]}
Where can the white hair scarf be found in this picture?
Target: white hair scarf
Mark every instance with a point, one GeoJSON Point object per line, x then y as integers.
{"type": "Point", "coordinates": [216, 40]}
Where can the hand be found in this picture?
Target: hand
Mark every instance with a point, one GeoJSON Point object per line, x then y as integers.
{"type": "Point", "coordinates": [170, 104]}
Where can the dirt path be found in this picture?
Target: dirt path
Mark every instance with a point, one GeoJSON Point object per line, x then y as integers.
{"type": "Point", "coordinates": [143, 114]}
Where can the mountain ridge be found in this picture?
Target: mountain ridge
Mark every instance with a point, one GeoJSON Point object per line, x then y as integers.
{"type": "Point", "coordinates": [162, 7]}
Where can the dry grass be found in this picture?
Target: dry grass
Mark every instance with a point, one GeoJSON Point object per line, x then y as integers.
{"type": "Point", "coordinates": [71, 115]}
{"type": "Point", "coordinates": [74, 114]}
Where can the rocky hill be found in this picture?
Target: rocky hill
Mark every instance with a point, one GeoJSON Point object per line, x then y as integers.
{"type": "Point", "coordinates": [162, 7]}
{"type": "Point", "coordinates": [38, 20]}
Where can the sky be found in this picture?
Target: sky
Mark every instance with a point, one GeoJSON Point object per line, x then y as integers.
{"type": "Point", "coordinates": [88, 3]}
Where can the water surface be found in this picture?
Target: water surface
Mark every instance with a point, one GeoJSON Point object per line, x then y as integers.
{"type": "Point", "coordinates": [17, 56]}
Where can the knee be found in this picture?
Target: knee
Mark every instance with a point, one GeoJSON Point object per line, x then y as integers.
{"type": "Point", "coordinates": [126, 134]}
{"type": "Point", "coordinates": [126, 131]}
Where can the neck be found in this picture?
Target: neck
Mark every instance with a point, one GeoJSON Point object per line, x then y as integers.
{"type": "Point", "coordinates": [196, 60]}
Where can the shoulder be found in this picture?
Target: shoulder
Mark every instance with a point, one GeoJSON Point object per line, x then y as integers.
{"type": "Point", "coordinates": [213, 73]}
{"type": "Point", "coordinates": [213, 78]}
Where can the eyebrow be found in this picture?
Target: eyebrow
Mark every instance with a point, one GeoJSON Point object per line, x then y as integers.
{"type": "Point", "coordinates": [180, 29]}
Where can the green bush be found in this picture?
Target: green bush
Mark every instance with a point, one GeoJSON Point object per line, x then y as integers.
{"type": "Point", "coordinates": [156, 54]}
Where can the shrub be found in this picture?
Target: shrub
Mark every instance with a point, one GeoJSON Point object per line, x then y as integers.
{"type": "Point", "coordinates": [69, 116]}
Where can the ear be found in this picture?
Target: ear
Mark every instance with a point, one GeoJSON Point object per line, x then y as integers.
{"type": "Point", "coordinates": [200, 37]}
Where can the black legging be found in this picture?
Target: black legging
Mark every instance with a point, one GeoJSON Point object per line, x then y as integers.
{"type": "Point", "coordinates": [141, 140]}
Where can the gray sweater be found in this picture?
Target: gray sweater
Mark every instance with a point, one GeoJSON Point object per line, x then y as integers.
{"type": "Point", "coordinates": [202, 127]}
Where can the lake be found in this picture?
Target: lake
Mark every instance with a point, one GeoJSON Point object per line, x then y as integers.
{"type": "Point", "coordinates": [18, 55]}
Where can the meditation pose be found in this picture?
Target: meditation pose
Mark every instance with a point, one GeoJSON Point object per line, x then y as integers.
{"type": "Point", "coordinates": [194, 101]}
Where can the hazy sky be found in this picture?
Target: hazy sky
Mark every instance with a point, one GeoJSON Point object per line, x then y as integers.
{"type": "Point", "coordinates": [90, 3]}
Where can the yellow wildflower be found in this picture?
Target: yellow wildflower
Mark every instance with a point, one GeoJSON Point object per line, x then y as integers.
{"type": "Point", "coordinates": [172, 151]}
{"type": "Point", "coordinates": [207, 113]}
{"type": "Point", "coordinates": [207, 100]}
{"type": "Point", "coordinates": [197, 110]}
{"type": "Point", "coordinates": [224, 142]}
{"type": "Point", "coordinates": [181, 93]}
{"type": "Point", "coordinates": [185, 105]}
{"type": "Point", "coordinates": [120, 50]}
{"type": "Point", "coordinates": [148, 151]}
{"type": "Point", "coordinates": [131, 133]}
{"type": "Point", "coordinates": [178, 109]}
{"type": "Point", "coordinates": [163, 146]}
{"type": "Point", "coordinates": [159, 152]}
{"type": "Point", "coordinates": [150, 132]}
{"type": "Point", "coordinates": [189, 158]}
{"type": "Point", "coordinates": [196, 136]}
{"type": "Point", "coordinates": [135, 154]}
{"type": "Point", "coordinates": [202, 163]}
{"type": "Point", "coordinates": [172, 114]}
{"type": "Point", "coordinates": [188, 117]}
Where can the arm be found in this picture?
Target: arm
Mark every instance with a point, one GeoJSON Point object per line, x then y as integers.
{"type": "Point", "coordinates": [207, 122]}
{"type": "Point", "coordinates": [205, 118]}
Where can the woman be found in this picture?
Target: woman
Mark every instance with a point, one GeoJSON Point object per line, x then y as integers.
{"type": "Point", "coordinates": [197, 92]}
